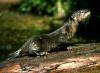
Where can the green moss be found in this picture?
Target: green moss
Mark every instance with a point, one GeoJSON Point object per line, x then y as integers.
{"type": "Point", "coordinates": [16, 28]}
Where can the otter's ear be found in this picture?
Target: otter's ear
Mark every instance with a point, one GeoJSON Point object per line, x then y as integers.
{"type": "Point", "coordinates": [71, 18]}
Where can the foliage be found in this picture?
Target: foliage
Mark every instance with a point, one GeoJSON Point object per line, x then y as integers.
{"type": "Point", "coordinates": [16, 28]}
{"type": "Point", "coordinates": [50, 7]}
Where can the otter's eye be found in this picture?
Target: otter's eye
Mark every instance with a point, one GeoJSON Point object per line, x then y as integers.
{"type": "Point", "coordinates": [82, 11]}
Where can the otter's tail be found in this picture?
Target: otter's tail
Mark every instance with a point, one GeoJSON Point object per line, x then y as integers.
{"type": "Point", "coordinates": [14, 55]}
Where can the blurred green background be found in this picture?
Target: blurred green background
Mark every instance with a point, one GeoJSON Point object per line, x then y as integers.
{"type": "Point", "coordinates": [21, 19]}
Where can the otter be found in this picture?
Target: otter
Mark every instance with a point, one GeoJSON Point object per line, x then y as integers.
{"type": "Point", "coordinates": [54, 41]}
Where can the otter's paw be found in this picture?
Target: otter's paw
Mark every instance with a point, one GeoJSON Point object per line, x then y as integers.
{"type": "Point", "coordinates": [37, 53]}
{"type": "Point", "coordinates": [42, 54]}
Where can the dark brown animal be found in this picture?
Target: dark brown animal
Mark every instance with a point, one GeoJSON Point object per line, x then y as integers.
{"type": "Point", "coordinates": [54, 41]}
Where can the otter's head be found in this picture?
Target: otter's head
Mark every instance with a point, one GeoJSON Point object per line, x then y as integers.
{"type": "Point", "coordinates": [81, 15]}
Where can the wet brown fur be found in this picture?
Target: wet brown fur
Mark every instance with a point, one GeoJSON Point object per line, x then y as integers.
{"type": "Point", "coordinates": [52, 41]}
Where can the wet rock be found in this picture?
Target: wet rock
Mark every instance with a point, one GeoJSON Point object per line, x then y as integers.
{"type": "Point", "coordinates": [59, 62]}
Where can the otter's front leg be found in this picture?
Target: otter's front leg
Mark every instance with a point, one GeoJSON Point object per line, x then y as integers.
{"type": "Point", "coordinates": [59, 47]}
